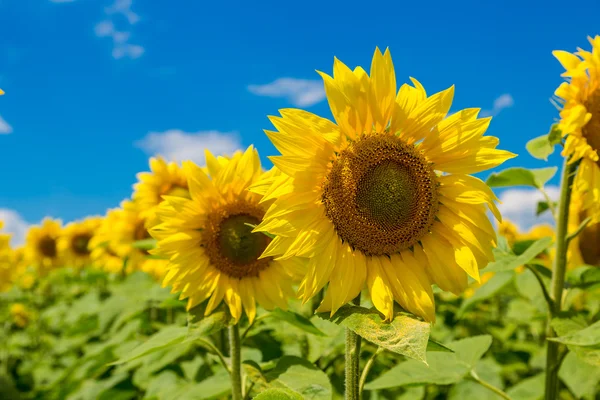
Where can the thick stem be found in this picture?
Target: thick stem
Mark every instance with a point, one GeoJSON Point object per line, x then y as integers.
{"type": "Point", "coordinates": [558, 277]}
{"type": "Point", "coordinates": [352, 361]}
{"type": "Point", "coordinates": [235, 348]}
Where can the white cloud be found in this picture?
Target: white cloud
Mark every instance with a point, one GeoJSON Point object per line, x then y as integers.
{"type": "Point", "coordinates": [14, 224]}
{"type": "Point", "coordinates": [177, 145]}
{"type": "Point", "coordinates": [5, 127]}
{"type": "Point", "coordinates": [132, 51]}
{"type": "Point", "coordinates": [104, 28]}
{"type": "Point", "coordinates": [299, 92]}
{"type": "Point", "coordinates": [123, 7]}
{"type": "Point", "coordinates": [519, 206]}
{"type": "Point", "coordinates": [502, 102]}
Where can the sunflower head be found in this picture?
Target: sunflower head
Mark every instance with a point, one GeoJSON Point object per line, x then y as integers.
{"type": "Point", "coordinates": [75, 239]}
{"type": "Point", "coordinates": [102, 244]}
{"type": "Point", "coordinates": [213, 252]}
{"type": "Point", "coordinates": [164, 179]}
{"type": "Point", "coordinates": [382, 197]}
{"type": "Point", "coordinates": [41, 245]}
{"type": "Point", "coordinates": [583, 249]}
{"type": "Point", "coordinates": [580, 120]}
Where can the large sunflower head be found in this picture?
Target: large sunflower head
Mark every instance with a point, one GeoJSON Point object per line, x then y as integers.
{"type": "Point", "coordinates": [208, 238]}
{"type": "Point", "coordinates": [102, 244]}
{"type": "Point", "coordinates": [41, 246]}
{"type": "Point", "coordinates": [583, 248]}
{"type": "Point", "coordinates": [75, 239]}
{"type": "Point", "coordinates": [580, 119]}
{"type": "Point", "coordinates": [165, 179]}
{"type": "Point", "coordinates": [382, 197]}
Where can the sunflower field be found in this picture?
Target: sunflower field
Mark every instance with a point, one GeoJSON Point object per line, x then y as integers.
{"type": "Point", "coordinates": [368, 263]}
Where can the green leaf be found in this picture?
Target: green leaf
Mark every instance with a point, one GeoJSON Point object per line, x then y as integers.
{"type": "Point", "coordinates": [201, 326]}
{"type": "Point", "coordinates": [432, 345]}
{"type": "Point", "coordinates": [536, 178]}
{"type": "Point", "coordinates": [498, 282]}
{"type": "Point", "coordinates": [528, 389]}
{"type": "Point", "coordinates": [540, 147]}
{"type": "Point", "coordinates": [580, 378]}
{"type": "Point", "coordinates": [489, 371]}
{"type": "Point", "coordinates": [217, 386]}
{"type": "Point", "coordinates": [508, 261]}
{"type": "Point", "coordinates": [404, 335]}
{"type": "Point", "coordinates": [300, 376]}
{"type": "Point", "coordinates": [555, 135]}
{"type": "Point", "coordinates": [589, 336]}
{"type": "Point", "coordinates": [543, 206]}
{"type": "Point", "coordinates": [443, 369]}
{"type": "Point", "coordinates": [297, 320]}
{"type": "Point", "coordinates": [144, 244]}
{"type": "Point", "coordinates": [167, 337]}
{"type": "Point", "coordinates": [565, 326]}
{"type": "Point", "coordinates": [278, 394]}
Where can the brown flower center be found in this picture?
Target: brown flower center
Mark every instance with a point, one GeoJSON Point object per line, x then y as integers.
{"type": "Point", "coordinates": [79, 244]}
{"type": "Point", "coordinates": [589, 242]}
{"type": "Point", "coordinates": [229, 242]}
{"type": "Point", "coordinates": [591, 130]}
{"type": "Point", "coordinates": [380, 195]}
{"type": "Point", "coordinates": [47, 246]}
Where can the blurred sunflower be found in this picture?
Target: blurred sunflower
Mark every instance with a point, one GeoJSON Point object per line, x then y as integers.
{"type": "Point", "coordinates": [580, 120]}
{"type": "Point", "coordinates": [383, 198]}
{"type": "Point", "coordinates": [73, 244]}
{"type": "Point", "coordinates": [213, 252]}
{"type": "Point", "coordinates": [20, 315]}
{"type": "Point", "coordinates": [41, 250]}
{"type": "Point", "coordinates": [164, 179]}
{"type": "Point", "coordinates": [6, 271]}
{"type": "Point", "coordinates": [102, 253]}
{"type": "Point", "coordinates": [156, 268]}
{"type": "Point", "coordinates": [585, 247]}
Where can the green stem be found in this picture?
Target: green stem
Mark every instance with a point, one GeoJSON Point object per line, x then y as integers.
{"type": "Point", "coordinates": [558, 277]}
{"type": "Point", "coordinates": [365, 373]}
{"type": "Point", "coordinates": [538, 276]}
{"type": "Point", "coordinates": [486, 385]}
{"type": "Point", "coordinates": [352, 361]}
{"type": "Point", "coordinates": [235, 348]}
{"type": "Point", "coordinates": [209, 346]}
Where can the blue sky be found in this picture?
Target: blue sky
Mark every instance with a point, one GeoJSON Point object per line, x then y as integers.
{"type": "Point", "coordinates": [94, 87]}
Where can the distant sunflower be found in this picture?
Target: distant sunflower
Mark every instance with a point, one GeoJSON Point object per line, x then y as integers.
{"type": "Point", "coordinates": [580, 120]}
{"type": "Point", "coordinates": [75, 239]}
{"type": "Point", "coordinates": [156, 268]}
{"type": "Point", "coordinates": [102, 253]}
{"type": "Point", "coordinates": [20, 315]}
{"type": "Point", "coordinates": [6, 270]}
{"type": "Point", "coordinates": [41, 246]}
{"type": "Point", "coordinates": [165, 179]}
{"type": "Point", "coordinates": [213, 252]}
{"type": "Point", "coordinates": [585, 247]}
{"type": "Point", "coordinates": [382, 198]}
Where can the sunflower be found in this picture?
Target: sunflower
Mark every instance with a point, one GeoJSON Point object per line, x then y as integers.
{"type": "Point", "coordinates": [156, 268]}
{"type": "Point", "coordinates": [74, 241]}
{"type": "Point", "coordinates": [102, 253]}
{"type": "Point", "coordinates": [165, 179]}
{"type": "Point", "coordinates": [5, 261]}
{"type": "Point", "coordinates": [209, 241]}
{"type": "Point", "coordinates": [580, 120]}
{"type": "Point", "coordinates": [41, 250]}
{"type": "Point", "coordinates": [583, 248]}
{"type": "Point", "coordinates": [383, 197]}
{"type": "Point", "coordinates": [20, 315]}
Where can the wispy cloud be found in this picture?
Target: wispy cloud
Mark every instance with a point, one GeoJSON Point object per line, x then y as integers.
{"type": "Point", "coordinates": [15, 225]}
{"type": "Point", "coordinates": [299, 92]}
{"type": "Point", "coordinates": [501, 102]}
{"type": "Point", "coordinates": [177, 145]}
{"type": "Point", "coordinates": [122, 47]}
{"type": "Point", "coordinates": [5, 127]}
{"type": "Point", "coordinates": [519, 206]}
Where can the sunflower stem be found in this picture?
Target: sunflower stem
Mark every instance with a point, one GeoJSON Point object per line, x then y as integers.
{"type": "Point", "coordinates": [367, 369]}
{"type": "Point", "coordinates": [558, 277]}
{"type": "Point", "coordinates": [235, 348]}
{"type": "Point", "coordinates": [352, 361]}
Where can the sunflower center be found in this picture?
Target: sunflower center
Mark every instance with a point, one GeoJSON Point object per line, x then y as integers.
{"type": "Point", "coordinates": [591, 130]}
{"type": "Point", "coordinates": [47, 246]}
{"type": "Point", "coordinates": [141, 233]}
{"type": "Point", "coordinates": [588, 242]}
{"type": "Point", "coordinates": [79, 244]}
{"type": "Point", "coordinates": [381, 195]}
{"type": "Point", "coordinates": [229, 242]}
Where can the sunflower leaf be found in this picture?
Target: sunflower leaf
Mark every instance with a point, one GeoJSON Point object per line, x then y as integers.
{"type": "Point", "coordinates": [565, 326]}
{"type": "Point", "coordinates": [300, 376]}
{"type": "Point", "coordinates": [165, 338]}
{"type": "Point", "coordinates": [506, 261]}
{"type": "Point", "coordinates": [540, 147]}
{"type": "Point", "coordinates": [404, 335]}
{"type": "Point", "coordinates": [297, 320]}
{"type": "Point", "coordinates": [498, 282]}
{"type": "Point", "coordinates": [587, 337]}
{"type": "Point", "coordinates": [536, 178]}
{"type": "Point", "coordinates": [278, 394]}
{"type": "Point", "coordinates": [202, 326]}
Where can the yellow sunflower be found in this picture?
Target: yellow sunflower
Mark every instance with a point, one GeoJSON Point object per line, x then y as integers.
{"type": "Point", "coordinates": [165, 179]}
{"type": "Point", "coordinates": [41, 250]}
{"type": "Point", "coordinates": [580, 120]}
{"type": "Point", "coordinates": [156, 268]}
{"type": "Point", "coordinates": [383, 197]}
{"type": "Point", "coordinates": [74, 241]}
{"type": "Point", "coordinates": [211, 248]}
{"type": "Point", "coordinates": [585, 247]}
{"type": "Point", "coordinates": [20, 315]}
{"type": "Point", "coordinates": [102, 253]}
{"type": "Point", "coordinates": [6, 271]}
